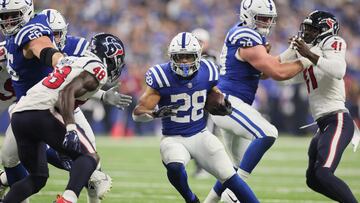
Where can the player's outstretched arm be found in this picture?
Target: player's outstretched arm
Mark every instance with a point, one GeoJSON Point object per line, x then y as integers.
{"type": "Point", "coordinates": [113, 97]}
{"type": "Point", "coordinates": [270, 65]}
{"type": "Point", "coordinates": [44, 50]}
{"type": "Point", "coordinates": [143, 112]}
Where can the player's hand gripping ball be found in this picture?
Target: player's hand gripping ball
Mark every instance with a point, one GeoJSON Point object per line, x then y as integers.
{"type": "Point", "coordinates": [217, 104]}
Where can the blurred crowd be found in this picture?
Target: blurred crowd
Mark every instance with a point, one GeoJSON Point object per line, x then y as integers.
{"type": "Point", "coordinates": [147, 26]}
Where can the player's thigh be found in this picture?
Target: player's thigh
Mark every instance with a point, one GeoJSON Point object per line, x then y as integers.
{"type": "Point", "coordinates": [31, 150]}
{"type": "Point", "coordinates": [81, 120]}
{"type": "Point", "coordinates": [172, 149]}
{"type": "Point", "coordinates": [210, 153]}
{"type": "Point", "coordinates": [334, 140]}
{"type": "Point", "coordinates": [9, 150]}
{"type": "Point", "coordinates": [245, 121]}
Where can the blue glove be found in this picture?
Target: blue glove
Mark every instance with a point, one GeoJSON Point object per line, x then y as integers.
{"type": "Point", "coordinates": [72, 142]}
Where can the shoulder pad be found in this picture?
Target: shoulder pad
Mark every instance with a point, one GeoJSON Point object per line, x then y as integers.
{"type": "Point", "coordinates": [156, 78]}
{"type": "Point", "coordinates": [245, 37]}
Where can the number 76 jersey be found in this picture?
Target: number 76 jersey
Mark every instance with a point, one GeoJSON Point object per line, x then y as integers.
{"type": "Point", "coordinates": [44, 95]}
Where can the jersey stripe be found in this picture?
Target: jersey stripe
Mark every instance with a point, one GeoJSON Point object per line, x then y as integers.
{"type": "Point", "coordinates": [245, 30]}
{"type": "Point", "coordinates": [183, 40]}
{"type": "Point", "coordinates": [158, 80]}
{"type": "Point", "coordinates": [19, 37]}
{"type": "Point", "coordinates": [335, 140]}
{"type": "Point", "coordinates": [216, 71]}
{"type": "Point", "coordinates": [84, 49]}
{"type": "Point", "coordinates": [163, 75]}
{"type": "Point", "coordinates": [211, 74]}
{"type": "Point", "coordinates": [247, 35]}
{"type": "Point", "coordinates": [79, 45]}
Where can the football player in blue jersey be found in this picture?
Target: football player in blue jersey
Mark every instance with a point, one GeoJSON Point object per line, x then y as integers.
{"type": "Point", "coordinates": [244, 59]}
{"type": "Point", "coordinates": [179, 88]}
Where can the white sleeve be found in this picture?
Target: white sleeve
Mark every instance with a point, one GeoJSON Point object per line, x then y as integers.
{"type": "Point", "coordinates": [332, 62]}
{"type": "Point", "coordinates": [288, 55]}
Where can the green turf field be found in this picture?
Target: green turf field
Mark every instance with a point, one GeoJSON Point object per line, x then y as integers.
{"type": "Point", "coordinates": [139, 177]}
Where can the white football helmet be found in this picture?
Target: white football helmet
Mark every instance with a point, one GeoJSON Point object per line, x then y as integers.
{"type": "Point", "coordinates": [259, 15]}
{"type": "Point", "coordinates": [185, 54]}
{"type": "Point", "coordinates": [58, 25]}
{"type": "Point", "coordinates": [14, 14]}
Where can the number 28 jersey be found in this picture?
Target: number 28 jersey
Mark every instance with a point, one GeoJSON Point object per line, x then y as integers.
{"type": "Point", "coordinates": [189, 93]}
{"type": "Point", "coordinates": [44, 95]}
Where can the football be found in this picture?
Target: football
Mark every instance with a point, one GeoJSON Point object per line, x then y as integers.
{"type": "Point", "coordinates": [214, 100]}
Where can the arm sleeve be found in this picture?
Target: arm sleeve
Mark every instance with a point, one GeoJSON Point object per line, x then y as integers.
{"type": "Point", "coordinates": [333, 63]}
{"type": "Point", "coordinates": [36, 29]}
{"type": "Point", "coordinates": [98, 70]}
{"type": "Point", "coordinates": [152, 79]}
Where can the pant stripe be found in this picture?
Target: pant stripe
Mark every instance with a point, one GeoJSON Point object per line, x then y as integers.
{"type": "Point", "coordinates": [82, 136]}
{"type": "Point", "coordinates": [246, 122]}
{"type": "Point", "coordinates": [335, 140]}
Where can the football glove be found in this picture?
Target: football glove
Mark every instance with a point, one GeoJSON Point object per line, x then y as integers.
{"type": "Point", "coordinates": [222, 110]}
{"type": "Point", "coordinates": [166, 111]}
{"type": "Point", "coordinates": [72, 142]}
{"type": "Point", "coordinates": [114, 98]}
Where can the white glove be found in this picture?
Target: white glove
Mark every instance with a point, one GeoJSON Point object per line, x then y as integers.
{"type": "Point", "coordinates": [356, 138]}
{"type": "Point", "coordinates": [113, 97]}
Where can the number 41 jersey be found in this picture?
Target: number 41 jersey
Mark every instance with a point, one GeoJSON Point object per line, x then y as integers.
{"type": "Point", "coordinates": [44, 95]}
{"type": "Point", "coordinates": [190, 94]}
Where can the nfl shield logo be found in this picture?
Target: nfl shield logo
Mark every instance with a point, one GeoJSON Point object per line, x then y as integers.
{"type": "Point", "coordinates": [189, 85]}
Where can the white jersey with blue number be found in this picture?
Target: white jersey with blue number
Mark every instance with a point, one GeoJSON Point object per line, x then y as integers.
{"type": "Point", "coordinates": [189, 93]}
{"type": "Point", "coordinates": [237, 77]}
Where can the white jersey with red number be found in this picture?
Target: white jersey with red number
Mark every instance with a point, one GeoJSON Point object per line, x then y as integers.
{"type": "Point", "coordinates": [326, 92]}
{"type": "Point", "coordinates": [44, 95]}
{"type": "Point", "coordinates": [7, 94]}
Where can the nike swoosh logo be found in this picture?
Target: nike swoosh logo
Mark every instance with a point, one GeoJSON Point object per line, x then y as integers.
{"type": "Point", "coordinates": [233, 200]}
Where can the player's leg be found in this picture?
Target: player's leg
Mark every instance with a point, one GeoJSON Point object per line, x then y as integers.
{"type": "Point", "coordinates": [32, 155]}
{"type": "Point", "coordinates": [311, 179]}
{"type": "Point", "coordinates": [84, 163]}
{"type": "Point", "coordinates": [246, 123]}
{"type": "Point", "coordinates": [99, 182]}
{"type": "Point", "coordinates": [175, 156]}
{"type": "Point", "coordinates": [211, 155]}
{"type": "Point", "coordinates": [336, 133]}
{"type": "Point", "coordinates": [10, 159]}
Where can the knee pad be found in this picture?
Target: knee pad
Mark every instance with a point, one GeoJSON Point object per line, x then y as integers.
{"type": "Point", "coordinates": [9, 156]}
{"type": "Point", "coordinates": [38, 182]}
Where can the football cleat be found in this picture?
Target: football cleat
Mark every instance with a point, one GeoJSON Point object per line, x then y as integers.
{"type": "Point", "coordinates": [99, 184]}
{"type": "Point", "coordinates": [3, 186]}
{"type": "Point", "coordinates": [229, 197]}
{"type": "Point", "coordinates": [60, 199]}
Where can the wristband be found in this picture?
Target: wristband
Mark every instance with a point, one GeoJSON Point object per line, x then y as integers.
{"type": "Point", "coordinates": [70, 127]}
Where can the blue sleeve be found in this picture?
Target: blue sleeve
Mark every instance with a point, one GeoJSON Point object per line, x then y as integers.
{"type": "Point", "coordinates": [245, 37]}
{"type": "Point", "coordinates": [75, 46]}
{"type": "Point", "coordinates": [211, 72]}
{"type": "Point", "coordinates": [151, 80]}
{"type": "Point", "coordinates": [35, 28]}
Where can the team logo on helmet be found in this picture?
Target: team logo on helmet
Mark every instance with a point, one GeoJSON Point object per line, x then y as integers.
{"type": "Point", "coordinates": [113, 48]}
{"type": "Point", "coordinates": [4, 3]}
{"type": "Point", "coordinates": [247, 4]}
